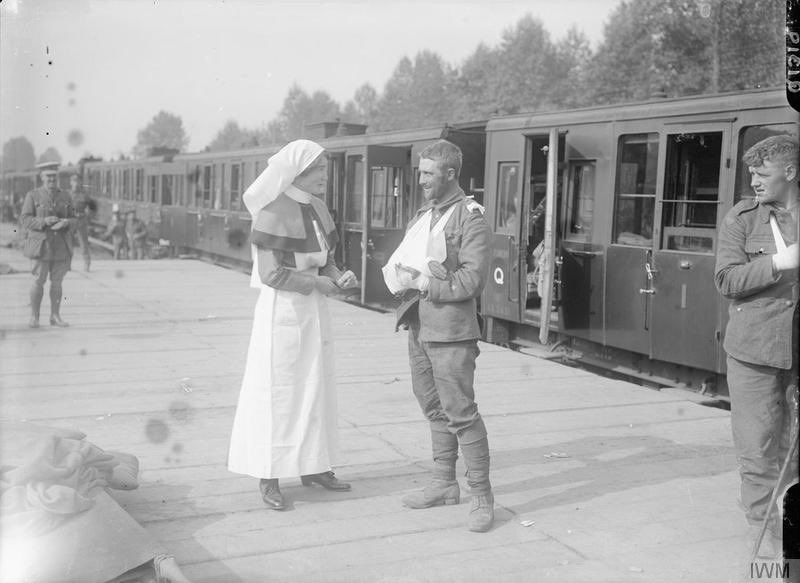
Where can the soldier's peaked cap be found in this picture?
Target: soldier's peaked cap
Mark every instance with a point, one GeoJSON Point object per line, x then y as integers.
{"type": "Point", "coordinates": [48, 167]}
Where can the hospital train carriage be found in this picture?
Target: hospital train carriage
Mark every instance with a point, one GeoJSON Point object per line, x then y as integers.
{"type": "Point", "coordinates": [603, 219]}
{"type": "Point", "coordinates": [609, 246]}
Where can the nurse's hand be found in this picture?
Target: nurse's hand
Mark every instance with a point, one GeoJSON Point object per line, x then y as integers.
{"type": "Point", "coordinates": [325, 285]}
{"type": "Point", "coordinates": [347, 280]}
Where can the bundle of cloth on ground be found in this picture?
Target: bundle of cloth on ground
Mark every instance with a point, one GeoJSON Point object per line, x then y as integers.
{"type": "Point", "coordinates": [57, 521]}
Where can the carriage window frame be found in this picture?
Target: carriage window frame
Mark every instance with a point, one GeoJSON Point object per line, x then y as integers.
{"type": "Point", "coordinates": [236, 184]}
{"type": "Point", "coordinates": [138, 177]}
{"type": "Point", "coordinates": [579, 212]}
{"type": "Point", "coordinates": [506, 215]}
{"type": "Point", "coordinates": [635, 190]}
{"type": "Point", "coordinates": [386, 203]}
{"type": "Point", "coordinates": [745, 140]}
{"type": "Point", "coordinates": [166, 189]}
{"type": "Point", "coordinates": [152, 188]}
{"type": "Point", "coordinates": [206, 189]}
{"type": "Point", "coordinates": [354, 192]}
{"type": "Point", "coordinates": [126, 184]}
{"type": "Point", "coordinates": [691, 195]}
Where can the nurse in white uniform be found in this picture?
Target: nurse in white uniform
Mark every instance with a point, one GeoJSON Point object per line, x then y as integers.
{"type": "Point", "coordinates": [286, 418]}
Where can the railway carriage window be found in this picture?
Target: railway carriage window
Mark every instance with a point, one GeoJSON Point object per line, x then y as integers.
{"type": "Point", "coordinates": [580, 202]}
{"type": "Point", "coordinates": [180, 196]}
{"type": "Point", "coordinates": [153, 188]}
{"type": "Point", "coordinates": [386, 188]}
{"type": "Point", "coordinates": [749, 136]}
{"type": "Point", "coordinates": [237, 170]}
{"type": "Point", "coordinates": [166, 190]}
{"type": "Point", "coordinates": [355, 189]}
{"type": "Point", "coordinates": [635, 194]}
{"type": "Point", "coordinates": [139, 188]}
{"type": "Point", "coordinates": [206, 186]}
{"type": "Point", "coordinates": [508, 203]}
{"type": "Point", "coordinates": [126, 184]}
{"type": "Point", "coordinates": [335, 198]}
{"type": "Point", "coordinates": [691, 192]}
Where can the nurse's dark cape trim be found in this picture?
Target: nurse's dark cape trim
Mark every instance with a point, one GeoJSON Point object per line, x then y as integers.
{"type": "Point", "coordinates": [285, 225]}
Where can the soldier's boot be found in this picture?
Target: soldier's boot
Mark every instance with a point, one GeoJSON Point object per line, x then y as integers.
{"type": "Point", "coordinates": [37, 292]}
{"type": "Point", "coordinates": [475, 450]}
{"type": "Point", "coordinates": [443, 487]}
{"type": "Point", "coordinates": [55, 307]}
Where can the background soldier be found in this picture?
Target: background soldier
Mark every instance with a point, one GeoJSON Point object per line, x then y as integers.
{"type": "Point", "coordinates": [84, 207]}
{"type": "Point", "coordinates": [757, 261]}
{"type": "Point", "coordinates": [47, 216]}
{"type": "Point", "coordinates": [136, 233]}
{"type": "Point", "coordinates": [116, 232]}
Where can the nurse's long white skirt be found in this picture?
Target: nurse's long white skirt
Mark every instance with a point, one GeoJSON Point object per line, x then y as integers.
{"type": "Point", "coordinates": [286, 418]}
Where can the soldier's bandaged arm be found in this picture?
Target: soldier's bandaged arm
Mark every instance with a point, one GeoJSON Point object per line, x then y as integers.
{"type": "Point", "coordinates": [467, 280]}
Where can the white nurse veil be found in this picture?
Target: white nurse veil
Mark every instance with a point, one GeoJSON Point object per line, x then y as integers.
{"type": "Point", "coordinates": [281, 171]}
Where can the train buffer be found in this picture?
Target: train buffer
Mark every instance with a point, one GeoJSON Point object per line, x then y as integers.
{"type": "Point", "coordinates": [645, 490]}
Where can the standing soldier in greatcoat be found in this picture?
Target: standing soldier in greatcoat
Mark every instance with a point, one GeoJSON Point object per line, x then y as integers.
{"type": "Point", "coordinates": [47, 217]}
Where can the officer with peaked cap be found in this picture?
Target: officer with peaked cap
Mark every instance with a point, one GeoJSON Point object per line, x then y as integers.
{"type": "Point", "coordinates": [47, 217]}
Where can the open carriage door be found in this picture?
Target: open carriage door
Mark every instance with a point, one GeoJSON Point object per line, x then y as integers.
{"type": "Point", "coordinates": [547, 270]}
{"type": "Point", "coordinates": [385, 198]}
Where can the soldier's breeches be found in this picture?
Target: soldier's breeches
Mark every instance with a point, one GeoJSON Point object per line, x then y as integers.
{"type": "Point", "coordinates": [55, 270]}
{"type": "Point", "coordinates": [760, 421]}
{"type": "Point", "coordinates": [442, 375]}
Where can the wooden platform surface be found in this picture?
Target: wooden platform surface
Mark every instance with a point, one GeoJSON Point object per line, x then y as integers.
{"type": "Point", "coordinates": [643, 485]}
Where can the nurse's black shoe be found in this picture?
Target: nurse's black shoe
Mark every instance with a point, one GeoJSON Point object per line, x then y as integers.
{"type": "Point", "coordinates": [327, 480]}
{"type": "Point", "coordinates": [271, 493]}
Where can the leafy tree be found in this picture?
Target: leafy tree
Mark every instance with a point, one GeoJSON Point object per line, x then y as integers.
{"type": "Point", "coordinates": [232, 137]}
{"type": "Point", "coordinates": [363, 107]}
{"type": "Point", "coordinates": [572, 56]}
{"type": "Point", "coordinates": [527, 66]}
{"type": "Point", "coordinates": [165, 130]}
{"type": "Point", "coordinates": [49, 155]}
{"type": "Point", "coordinates": [748, 42]}
{"type": "Point", "coordinates": [394, 107]}
{"type": "Point", "coordinates": [416, 94]}
{"type": "Point", "coordinates": [685, 48]}
{"type": "Point", "coordinates": [475, 88]}
{"type": "Point", "coordinates": [18, 155]}
{"type": "Point", "coordinates": [300, 109]}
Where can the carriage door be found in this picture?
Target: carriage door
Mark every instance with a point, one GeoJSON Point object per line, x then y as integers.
{"type": "Point", "coordinates": [386, 195]}
{"type": "Point", "coordinates": [685, 302]}
{"type": "Point", "coordinates": [502, 292]}
{"type": "Point", "coordinates": [629, 260]}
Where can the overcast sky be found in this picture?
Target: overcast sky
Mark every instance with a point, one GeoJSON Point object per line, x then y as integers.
{"type": "Point", "coordinates": [106, 67]}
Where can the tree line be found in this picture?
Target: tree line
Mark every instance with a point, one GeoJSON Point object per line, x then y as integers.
{"type": "Point", "coordinates": [649, 48]}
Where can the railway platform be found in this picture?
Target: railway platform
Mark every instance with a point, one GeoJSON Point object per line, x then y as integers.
{"type": "Point", "coordinates": [595, 479]}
